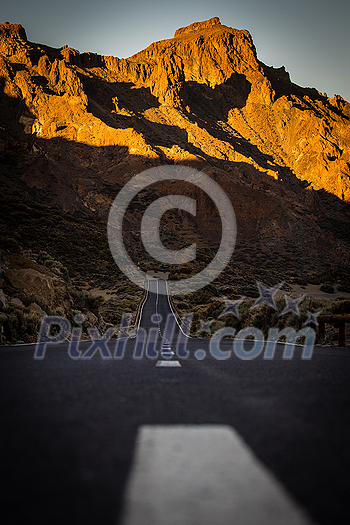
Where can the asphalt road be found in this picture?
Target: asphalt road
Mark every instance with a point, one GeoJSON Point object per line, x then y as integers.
{"type": "Point", "coordinates": [68, 426]}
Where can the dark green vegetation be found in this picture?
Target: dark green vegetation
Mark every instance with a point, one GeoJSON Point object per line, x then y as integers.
{"type": "Point", "coordinates": [78, 241]}
{"type": "Point", "coordinates": [262, 317]}
{"type": "Point", "coordinates": [75, 244]}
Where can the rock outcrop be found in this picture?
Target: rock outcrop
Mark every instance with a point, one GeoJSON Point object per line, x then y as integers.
{"type": "Point", "coordinates": [206, 83]}
{"type": "Point", "coordinates": [34, 283]}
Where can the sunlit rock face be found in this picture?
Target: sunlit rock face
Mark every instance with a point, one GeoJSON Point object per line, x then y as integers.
{"type": "Point", "coordinates": [76, 127]}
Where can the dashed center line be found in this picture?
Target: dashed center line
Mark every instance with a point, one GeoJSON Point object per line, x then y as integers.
{"type": "Point", "coordinates": [168, 363]}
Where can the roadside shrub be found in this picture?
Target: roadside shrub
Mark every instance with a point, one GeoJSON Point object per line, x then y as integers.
{"type": "Point", "coordinates": [344, 288]}
{"type": "Point", "coordinates": [313, 279]}
{"type": "Point", "coordinates": [93, 303]}
{"type": "Point", "coordinates": [217, 325]}
{"type": "Point", "coordinates": [112, 311]}
{"type": "Point", "coordinates": [24, 325]}
{"type": "Point", "coordinates": [212, 289]}
{"type": "Point", "coordinates": [215, 308]}
{"type": "Point", "coordinates": [201, 297]}
{"type": "Point", "coordinates": [232, 321]}
{"type": "Point", "coordinates": [327, 288]}
{"type": "Point", "coordinates": [84, 301]}
{"type": "Point", "coordinates": [45, 259]}
{"type": "Point", "coordinates": [250, 291]}
{"type": "Point", "coordinates": [300, 281]}
{"type": "Point", "coordinates": [342, 307]}
{"type": "Point", "coordinates": [182, 305]}
{"type": "Point", "coordinates": [228, 291]}
{"type": "Point", "coordinates": [10, 244]}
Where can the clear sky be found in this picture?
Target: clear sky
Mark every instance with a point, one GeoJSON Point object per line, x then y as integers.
{"type": "Point", "coordinates": [309, 37]}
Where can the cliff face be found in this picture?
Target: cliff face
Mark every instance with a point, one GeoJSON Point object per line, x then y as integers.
{"type": "Point", "coordinates": [206, 81]}
{"type": "Point", "coordinates": [75, 127]}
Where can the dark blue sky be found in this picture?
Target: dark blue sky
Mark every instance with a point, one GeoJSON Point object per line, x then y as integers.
{"type": "Point", "coordinates": [310, 38]}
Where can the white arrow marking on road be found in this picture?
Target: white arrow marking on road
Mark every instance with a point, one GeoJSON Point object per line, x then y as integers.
{"type": "Point", "coordinates": [203, 475]}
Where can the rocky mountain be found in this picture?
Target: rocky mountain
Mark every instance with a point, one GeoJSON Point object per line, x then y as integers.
{"type": "Point", "coordinates": [75, 127]}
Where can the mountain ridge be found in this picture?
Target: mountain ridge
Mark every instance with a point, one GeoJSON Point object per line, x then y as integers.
{"type": "Point", "coordinates": [76, 127]}
{"type": "Point", "coordinates": [209, 63]}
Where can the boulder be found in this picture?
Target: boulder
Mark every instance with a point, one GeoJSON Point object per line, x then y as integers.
{"type": "Point", "coordinates": [33, 307]}
{"type": "Point", "coordinates": [49, 290]}
{"type": "Point", "coordinates": [36, 284]}
{"type": "Point", "coordinates": [14, 301]}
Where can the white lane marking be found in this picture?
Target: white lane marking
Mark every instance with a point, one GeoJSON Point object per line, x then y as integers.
{"type": "Point", "coordinates": [168, 363]}
{"type": "Point", "coordinates": [203, 475]}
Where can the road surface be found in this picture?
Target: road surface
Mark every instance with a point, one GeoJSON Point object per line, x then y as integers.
{"type": "Point", "coordinates": [72, 428]}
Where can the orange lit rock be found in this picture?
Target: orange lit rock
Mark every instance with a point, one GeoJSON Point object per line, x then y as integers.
{"type": "Point", "coordinates": [206, 78]}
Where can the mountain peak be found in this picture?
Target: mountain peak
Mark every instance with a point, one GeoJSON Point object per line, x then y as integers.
{"type": "Point", "coordinates": [198, 26]}
{"type": "Point", "coordinates": [13, 31]}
